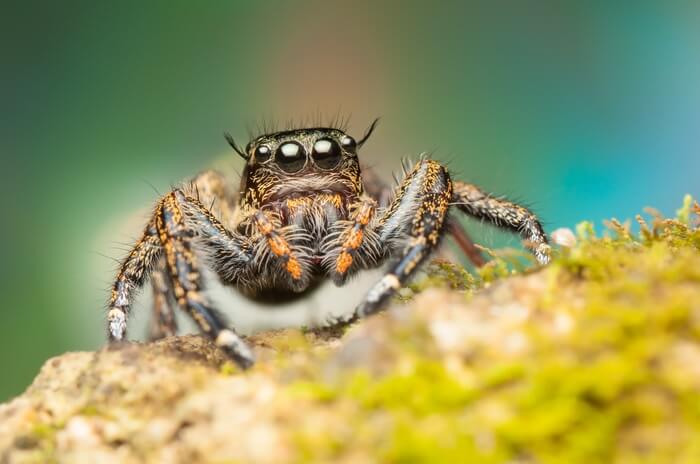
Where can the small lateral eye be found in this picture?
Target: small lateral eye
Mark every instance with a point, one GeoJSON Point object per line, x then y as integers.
{"type": "Point", "coordinates": [262, 153]}
{"type": "Point", "coordinates": [290, 156]}
{"type": "Point", "coordinates": [326, 153]}
{"type": "Point", "coordinates": [348, 143]}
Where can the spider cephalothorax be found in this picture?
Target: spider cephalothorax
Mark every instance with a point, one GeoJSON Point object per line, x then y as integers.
{"type": "Point", "coordinates": [303, 212]}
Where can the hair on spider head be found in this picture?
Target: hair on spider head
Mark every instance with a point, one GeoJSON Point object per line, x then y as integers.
{"type": "Point", "coordinates": [234, 145]}
{"type": "Point", "coordinates": [369, 131]}
{"type": "Point", "coordinates": [243, 153]}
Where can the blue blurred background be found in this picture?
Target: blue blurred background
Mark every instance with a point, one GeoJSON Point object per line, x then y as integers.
{"type": "Point", "coordinates": [584, 110]}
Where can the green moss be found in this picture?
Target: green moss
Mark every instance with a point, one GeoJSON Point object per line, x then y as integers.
{"type": "Point", "coordinates": [228, 368]}
{"type": "Point", "coordinates": [611, 387]}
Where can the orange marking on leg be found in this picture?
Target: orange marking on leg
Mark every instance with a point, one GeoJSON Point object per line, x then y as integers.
{"type": "Point", "coordinates": [355, 235]}
{"type": "Point", "coordinates": [278, 245]}
{"type": "Point", "coordinates": [354, 239]}
{"type": "Point", "coordinates": [342, 264]}
{"type": "Point", "coordinates": [294, 268]}
{"type": "Point", "coordinates": [265, 227]}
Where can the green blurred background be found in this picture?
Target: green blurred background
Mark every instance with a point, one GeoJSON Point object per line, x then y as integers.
{"type": "Point", "coordinates": [585, 110]}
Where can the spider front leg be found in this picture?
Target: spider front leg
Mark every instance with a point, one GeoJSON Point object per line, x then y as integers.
{"type": "Point", "coordinates": [178, 220]}
{"type": "Point", "coordinates": [184, 269]}
{"type": "Point", "coordinates": [473, 201]}
{"type": "Point", "coordinates": [413, 224]}
{"type": "Point", "coordinates": [210, 188]}
{"type": "Point", "coordinates": [382, 192]}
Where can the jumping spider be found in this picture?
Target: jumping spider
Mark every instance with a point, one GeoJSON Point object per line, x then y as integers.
{"type": "Point", "coordinates": [303, 212]}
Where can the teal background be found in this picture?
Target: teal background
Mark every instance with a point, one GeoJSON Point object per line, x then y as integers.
{"type": "Point", "coordinates": [584, 110]}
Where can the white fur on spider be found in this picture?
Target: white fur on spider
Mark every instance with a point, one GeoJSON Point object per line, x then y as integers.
{"type": "Point", "coordinates": [408, 202]}
{"type": "Point", "coordinates": [117, 322]}
{"type": "Point", "coordinates": [228, 339]}
{"type": "Point", "coordinates": [122, 300]}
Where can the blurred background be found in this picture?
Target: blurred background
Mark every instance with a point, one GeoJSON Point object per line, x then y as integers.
{"type": "Point", "coordinates": [583, 110]}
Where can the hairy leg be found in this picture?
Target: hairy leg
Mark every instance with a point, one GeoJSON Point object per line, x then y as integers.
{"type": "Point", "coordinates": [182, 263]}
{"type": "Point", "coordinates": [275, 252]}
{"type": "Point", "coordinates": [502, 213]}
{"type": "Point", "coordinates": [382, 192]}
{"type": "Point", "coordinates": [132, 274]}
{"type": "Point", "coordinates": [413, 224]}
{"type": "Point", "coordinates": [163, 323]}
{"type": "Point", "coordinates": [209, 188]}
{"type": "Point", "coordinates": [352, 244]}
{"type": "Point", "coordinates": [178, 219]}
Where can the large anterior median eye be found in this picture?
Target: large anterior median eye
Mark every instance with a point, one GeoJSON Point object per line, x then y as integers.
{"type": "Point", "coordinates": [326, 153]}
{"type": "Point", "coordinates": [290, 156]}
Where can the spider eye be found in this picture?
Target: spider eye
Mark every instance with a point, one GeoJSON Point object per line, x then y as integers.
{"type": "Point", "coordinates": [348, 143]}
{"type": "Point", "coordinates": [326, 153]}
{"type": "Point", "coordinates": [262, 153]}
{"type": "Point", "coordinates": [290, 157]}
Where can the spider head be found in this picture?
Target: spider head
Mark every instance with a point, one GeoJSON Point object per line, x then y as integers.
{"type": "Point", "coordinates": [301, 162]}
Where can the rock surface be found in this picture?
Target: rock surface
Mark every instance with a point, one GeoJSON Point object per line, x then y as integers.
{"type": "Point", "coordinates": [592, 359]}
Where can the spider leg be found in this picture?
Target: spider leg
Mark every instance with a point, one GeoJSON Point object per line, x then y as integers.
{"type": "Point", "coordinates": [276, 246]}
{"type": "Point", "coordinates": [419, 212]}
{"type": "Point", "coordinates": [473, 201]}
{"type": "Point", "coordinates": [353, 244]}
{"type": "Point", "coordinates": [132, 274]}
{"type": "Point", "coordinates": [210, 188]}
{"type": "Point", "coordinates": [381, 191]}
{"type": "Point", "coordinates": [464, 242]}
{"type": "Point", "coordinates": [163, 323]}
{"type": "Point", "coordinates": [184, 269]}
{"type": "Point", "coordinates": [178, 219]}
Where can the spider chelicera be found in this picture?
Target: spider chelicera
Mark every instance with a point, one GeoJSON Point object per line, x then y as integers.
{"type": "Point", "coordinates": [303, 212]}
